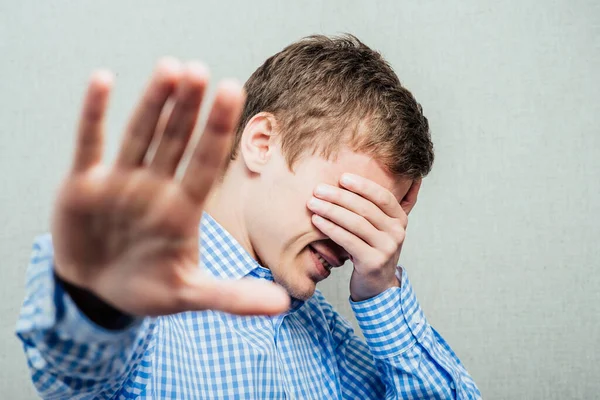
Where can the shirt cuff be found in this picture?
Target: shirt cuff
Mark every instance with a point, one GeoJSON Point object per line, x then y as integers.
{"type": "Point", "coordinates": [392, 322]}
{"type": "Point", "coordinates": [73, 323]}
{"type": "Point", "coordinates": [49, 308]}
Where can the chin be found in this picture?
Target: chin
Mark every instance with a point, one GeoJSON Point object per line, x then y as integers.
{"type": "Point", "coordinates": [297, 279]}
{"type": "Point", "coordinates": [300, 290]}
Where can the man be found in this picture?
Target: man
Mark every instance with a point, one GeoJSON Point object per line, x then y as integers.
{"type": "Point", "coordinates": [324, 166]}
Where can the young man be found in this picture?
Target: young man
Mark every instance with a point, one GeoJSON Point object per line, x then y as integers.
{"type": "Point", "coordinates": [324, 166]}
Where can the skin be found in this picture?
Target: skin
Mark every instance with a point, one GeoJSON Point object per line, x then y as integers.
{"type": "Point", "coordinates": [128, 232]}
{"type": "Point", "coordinates": [276, 213]}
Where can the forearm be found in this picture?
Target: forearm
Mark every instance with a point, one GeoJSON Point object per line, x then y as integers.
{"type": "Point", "coordinates": [69, 354]}
{"type": "Point", "coordinates": [413, 359]}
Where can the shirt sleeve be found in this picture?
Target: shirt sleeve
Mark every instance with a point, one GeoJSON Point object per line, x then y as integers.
{"type": "Point", "coordinates": [403, 356]}
{"type": "Point", "coordinates": [69, 356]}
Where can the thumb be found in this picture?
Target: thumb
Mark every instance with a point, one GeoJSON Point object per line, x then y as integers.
{"type": "Point", "coordinates": [246, 296]}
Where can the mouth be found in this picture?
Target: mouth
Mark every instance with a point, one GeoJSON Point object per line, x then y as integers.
{"type": "Point", "coordinates": [333, 255]}
{"type": "Point", "coordinates": [323, 261]}
{"type": "Point", "coordinates": [322, 266]}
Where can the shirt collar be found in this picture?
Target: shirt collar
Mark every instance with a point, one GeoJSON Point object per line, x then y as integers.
{"type": "Point", "coordinates": [223, 256]}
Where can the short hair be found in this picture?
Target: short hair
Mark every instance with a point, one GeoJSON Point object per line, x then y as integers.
{"type": "Point", "coordinates": [328, 91]}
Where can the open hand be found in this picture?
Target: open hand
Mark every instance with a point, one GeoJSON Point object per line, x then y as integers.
{"type": "Point", "coordinates": [129, 232]}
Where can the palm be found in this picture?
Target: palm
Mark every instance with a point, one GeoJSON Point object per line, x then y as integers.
{"type": "Point", "coordinates": [129, 233]}
{"type": "Point", "coordinates": [133, 225]}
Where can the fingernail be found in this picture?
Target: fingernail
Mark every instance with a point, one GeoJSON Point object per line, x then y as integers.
{"type": "Point", "coordinates": [313, 202]}
{"type": "Point", "coordinates": [323, 190]}
{"type": "Point", "coordinates": [347, 179]}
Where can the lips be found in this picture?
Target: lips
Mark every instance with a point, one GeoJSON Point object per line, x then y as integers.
{"type": "Point", "coordinates": [322, 271]}
{"type": "Point", "coordinates": [324, 262]}
{"type": "Point", "coordinates": [326, 258]}
{"type": "Point", "coordinates": [327, 255]}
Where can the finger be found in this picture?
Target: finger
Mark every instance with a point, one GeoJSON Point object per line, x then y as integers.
{"type": "Point", "coordinates": [214, 144]}
{"type": "Point", "coordinates": [350, 221]}
{"type": "Point", "coordinates": [383, 198]}
{"type": "Point", "coordinates": [355, 246]}
{"type": "Point", "coordinates": [142, 125]}
{"type": "Point", "coordinates": [160, 128]}
{"type": "Point", "coordinates": [88, 147]}
{"type": "Point", "coordinates": [183, 118]}
{"type": "Point", "coordinates": [354, 203]}
{"type": "Point", "coordinates": [410, 199]}
{"type": "Point", "coordinates": [242, 297]}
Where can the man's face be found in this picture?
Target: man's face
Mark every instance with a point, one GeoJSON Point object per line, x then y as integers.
{"type": "Point", "coordinates": [279, 222]}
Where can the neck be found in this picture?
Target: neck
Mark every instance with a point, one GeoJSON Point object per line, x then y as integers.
{"type": "Point", "coordinates": [226, 205]}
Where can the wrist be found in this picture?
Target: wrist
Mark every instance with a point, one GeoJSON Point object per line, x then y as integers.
{"type": "Point", "coordinates": [364, 288]}
{"type": "Point", "coordinates": [94, 308]}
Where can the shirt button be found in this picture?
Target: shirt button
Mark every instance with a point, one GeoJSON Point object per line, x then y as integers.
{"type": "Point", "coordinates": [452, 386]}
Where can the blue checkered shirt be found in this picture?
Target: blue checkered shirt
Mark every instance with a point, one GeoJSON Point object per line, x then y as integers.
{"type": "Point", "coordinates": [310, 352]}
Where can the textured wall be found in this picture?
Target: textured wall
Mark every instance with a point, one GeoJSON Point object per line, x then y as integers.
{"type": "Point", "coordinates": [502, 248]}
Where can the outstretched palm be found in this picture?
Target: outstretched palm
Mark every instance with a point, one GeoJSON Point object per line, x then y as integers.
{"type": "Point", "coordinates": [129, 232]}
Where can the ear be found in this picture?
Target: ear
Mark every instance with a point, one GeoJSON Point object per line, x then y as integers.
{"type": "Point", "coordinates": [410, 199]}
{"type": "Point", "coordinates": [258, 141]}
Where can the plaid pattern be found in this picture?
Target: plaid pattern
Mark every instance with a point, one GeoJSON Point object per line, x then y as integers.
{"type": "Point", "coordinates": [310, 352]}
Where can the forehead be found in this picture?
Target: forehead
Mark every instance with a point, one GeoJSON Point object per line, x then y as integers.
{"type": "Point", "coordinates": [359, 164]}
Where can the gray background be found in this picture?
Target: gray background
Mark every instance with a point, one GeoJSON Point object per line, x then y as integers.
{"type": "Point", "coordinates": [502, 248]}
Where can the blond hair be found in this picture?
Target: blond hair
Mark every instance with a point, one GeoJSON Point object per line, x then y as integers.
{"type": "Point", "coordinates": [328, 91]}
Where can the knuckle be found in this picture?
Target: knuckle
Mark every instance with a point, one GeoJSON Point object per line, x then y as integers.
{"type": "Point", "coordinates": [399, 233]}
{"type": "Point", "coordinates": [330, 227]}
{"type": "Point", "coordinates": [335, 195]}
{"type": "Point", "coordinates": [363, 210]}
{"type": "Point", "coordinates": [88, 141]}
{"type": "Point", "coordinates": [154, 99]}
{"type": "Point", "coordinates": [93, 114]}
{"type": "Point", "coordinates": [326, 207]}
{"type": "Point", "coordinates": [384, 199]}
{"type": "Point", "coordinates": [390, 249]}
{"type": "Point", "coordinates": [363, 223]}
{"type": "Point", "coordinates": [379, 261]}
{"type": "Point", "coordinates": [357, 224]}
{"type": "Point", "coordinates": [171, 131]}
{"type": "Point", "coordinates": [209, 160]}
{"type": "Point", "coordinates": [361, 187]}
{"type": "Point", "coordinates": [220, 121]}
